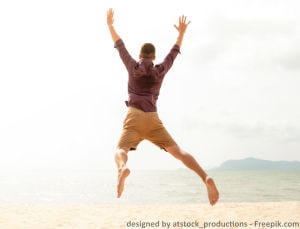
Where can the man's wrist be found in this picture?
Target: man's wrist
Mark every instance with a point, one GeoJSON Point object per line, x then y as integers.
{"type": "Point", "coordinates": [180, 35]}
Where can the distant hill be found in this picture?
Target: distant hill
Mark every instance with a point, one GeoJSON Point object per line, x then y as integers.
{"type": "Point", "coordinates": [257, 164]}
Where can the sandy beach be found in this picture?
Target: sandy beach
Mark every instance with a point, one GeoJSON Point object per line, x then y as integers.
{"type": "Point", "coordinates": [120, 215]}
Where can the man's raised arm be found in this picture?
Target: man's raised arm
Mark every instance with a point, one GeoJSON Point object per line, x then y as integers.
{"type": "Point", "coordinates": [110, 22]}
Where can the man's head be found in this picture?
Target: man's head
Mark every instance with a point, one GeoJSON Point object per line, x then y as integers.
{"type": "Point", "coordinates": [147, 51]}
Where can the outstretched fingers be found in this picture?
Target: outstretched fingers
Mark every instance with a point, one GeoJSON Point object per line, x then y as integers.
{"type": "Point", "coordinates": [182, 20]}
{"type": "Point", "coordinates": [182, 23]}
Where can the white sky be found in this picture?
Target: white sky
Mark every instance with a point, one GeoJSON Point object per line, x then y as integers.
{"type": "Point", "coordinates": [232, 93]}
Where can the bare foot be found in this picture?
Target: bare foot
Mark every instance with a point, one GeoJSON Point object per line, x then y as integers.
{"type": "Point", "coordinates": [212, 191]}
{"type": "Point", "coordinates": [123, 174]}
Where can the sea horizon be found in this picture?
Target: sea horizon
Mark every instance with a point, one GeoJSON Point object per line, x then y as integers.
{"type": "Point", "coordinates": [180, 186]}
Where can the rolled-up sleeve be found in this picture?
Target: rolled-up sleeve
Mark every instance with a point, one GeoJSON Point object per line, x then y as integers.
{"type": "Point", "coordinates": [128, 61]}
{"type": "Point", "coordinates": [165, 66]}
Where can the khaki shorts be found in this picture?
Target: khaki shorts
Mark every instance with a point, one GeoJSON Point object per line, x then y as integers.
{"type": "Point", "coordinates": [139, 125]}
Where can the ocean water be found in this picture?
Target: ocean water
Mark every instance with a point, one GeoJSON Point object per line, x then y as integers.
{"type": "Point", "coordinates": [145, 187]}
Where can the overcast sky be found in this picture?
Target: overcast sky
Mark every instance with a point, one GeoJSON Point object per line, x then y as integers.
{"type": "Point", "coordinates": [232, 93]}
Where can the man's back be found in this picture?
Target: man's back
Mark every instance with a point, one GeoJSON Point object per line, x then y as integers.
{"type": "Point", "coordinates": [145, 78]}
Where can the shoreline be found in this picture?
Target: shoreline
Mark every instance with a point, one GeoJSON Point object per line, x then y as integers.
{"type": "Point", "coordinates": [124, 215]}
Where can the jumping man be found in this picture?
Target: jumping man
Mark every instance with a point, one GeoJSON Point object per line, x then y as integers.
{"type": "Point", "coordinates": [142, 121]}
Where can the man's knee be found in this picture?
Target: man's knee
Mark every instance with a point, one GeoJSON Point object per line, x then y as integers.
{"type": "Point", "coordinates": [122, 151]}
{"type": "Point", "coordinates": [176, 151]}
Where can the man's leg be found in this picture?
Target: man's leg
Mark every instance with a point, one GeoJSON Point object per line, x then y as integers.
{"type": "Point", "coordinates": [123, 171]}
{"type": "Point", "coordinates": [189, 161]}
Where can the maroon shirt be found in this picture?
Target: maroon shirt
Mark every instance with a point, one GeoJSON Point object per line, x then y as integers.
{"type": "Point", "coordinates": [145, 78]}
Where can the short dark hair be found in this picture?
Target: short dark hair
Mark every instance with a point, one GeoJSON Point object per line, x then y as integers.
{"type": "Point", "coordinates": [147, 51]}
